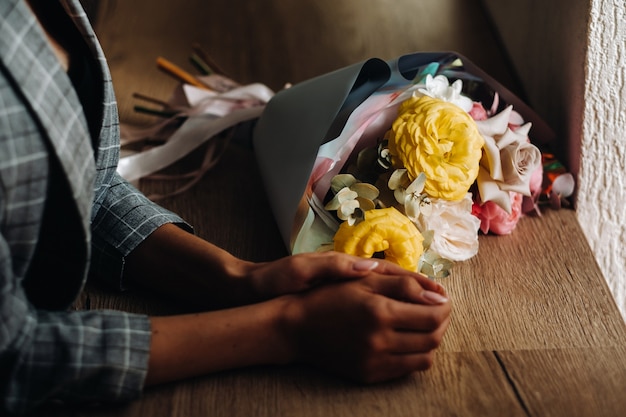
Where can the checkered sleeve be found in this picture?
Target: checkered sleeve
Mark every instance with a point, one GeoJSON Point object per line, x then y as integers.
{"type": "Point", "coordinates": [123, 218]}
{"type": "Point", "coordinates": [67, 357]}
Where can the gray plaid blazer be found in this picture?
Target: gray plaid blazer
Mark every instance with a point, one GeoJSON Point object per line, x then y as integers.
{"type": "Point", "coordinates": [51, 168]}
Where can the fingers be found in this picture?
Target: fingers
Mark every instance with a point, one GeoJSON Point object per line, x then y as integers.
{"type": "Point", "coordinates": [404, 288]}
{"type": "Point", "coordinates": [389, 268]}
{"type": "Point", "coordinates": [407, 306]}
{"type": "Point", "coordinates": [405, 353]}
{"type": "Point", "coordinates": [304, 271]}
{"type": "Point", "coordinates": [417, 317]}
{"type": "Point", "coordinates": [331, 266]}
{"type": "Point", "coordinates": [399, 341]}
{"type": "Point", "coordinates": [313, 269]}
{"type": "Point", "coordinates": [354, 267]}
{"type": "Point", "coordinates": [404, 341]}
{"type": "Point", "coordinates": [397, 366]}
{"type": "Point", "coordinates": [412, 352]}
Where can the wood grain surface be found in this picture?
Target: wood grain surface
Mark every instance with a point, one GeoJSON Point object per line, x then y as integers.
{"type": "Point", "coordinates": [534, 332]}
{"type": "Point", "coordinates": [568, 382]}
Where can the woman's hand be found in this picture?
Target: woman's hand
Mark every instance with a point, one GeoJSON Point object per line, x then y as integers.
{"type": "Point", "coordinates": [373, 329]}
{"type": "Point", "coordinates": [302, 272]}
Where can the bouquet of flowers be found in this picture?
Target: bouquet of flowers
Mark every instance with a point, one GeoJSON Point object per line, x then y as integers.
{"type": "Point", "coordinates": [411, 167]}
{"type": "Point", "coordinates": [445, 168]}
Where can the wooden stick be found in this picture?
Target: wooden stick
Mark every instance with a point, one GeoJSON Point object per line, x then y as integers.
{"type": "Point", "coordinates": [207, 59]}
{"type": "Point", "coordinates": [154, 112]}
{"type": "Point", "coordinates": [179, 73]}
{"type": "Point", "coordinates": [151, 99]}
{"type": "Point", "coordinates": [200, 64]}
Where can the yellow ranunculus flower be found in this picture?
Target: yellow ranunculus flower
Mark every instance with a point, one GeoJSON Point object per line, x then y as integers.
{"type": "Point", "coordinates": [439, 139]}
{"type": "Point", "coordinates": [383, 230]}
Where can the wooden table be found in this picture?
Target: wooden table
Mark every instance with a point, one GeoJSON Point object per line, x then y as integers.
{"type": "Point", "coordinates": [534, 332]}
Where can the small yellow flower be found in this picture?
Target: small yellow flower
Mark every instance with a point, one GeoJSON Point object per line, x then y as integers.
{"type": "Point", "coordinates": [439, 139]}
{"type": "Point", "coordinates": [383, 230]}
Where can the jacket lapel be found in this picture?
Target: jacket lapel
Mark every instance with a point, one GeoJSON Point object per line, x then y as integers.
{"type": "Point", "coordinates": [26, 53]}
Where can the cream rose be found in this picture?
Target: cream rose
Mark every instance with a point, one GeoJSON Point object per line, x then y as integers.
{"type": "Point", "coordinates": [509, 160]}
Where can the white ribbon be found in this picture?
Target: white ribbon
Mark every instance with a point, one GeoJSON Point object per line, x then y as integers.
{"type": "Point", "coordinates": [209, 114]}
{"type": "Point", "coordinates": [193, 133]}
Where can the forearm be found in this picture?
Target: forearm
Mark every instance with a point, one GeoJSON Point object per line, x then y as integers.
{"type": "Point", "coordinates": [196, 344]}
{"type": "Point", "coordinates": [187, 268]}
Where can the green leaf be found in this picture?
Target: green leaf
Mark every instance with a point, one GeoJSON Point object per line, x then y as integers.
{"type": "Point", "coordinates": [366, 204]}
{"type": "Point", "coordinates": [365, 190]}
{"type": "Point", "coordinates": [341, 181]}
{"type": "Point", "coordinates": [333, 204]}
{"type": "Point", "coordinates": [434, 266]}
{"type": "Point", "coordinates": [428, 236]}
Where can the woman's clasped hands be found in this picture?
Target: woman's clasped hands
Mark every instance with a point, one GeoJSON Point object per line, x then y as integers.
{"type": "Point", "coordinates": [364, 319]}
{"type": "Point", "coordinates": [367, 320]}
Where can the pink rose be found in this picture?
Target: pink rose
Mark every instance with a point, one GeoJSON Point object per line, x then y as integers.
{"type": "Point", "coordinates": [495, 219]}
{"type": "Point", "coordinates": [478, 112]}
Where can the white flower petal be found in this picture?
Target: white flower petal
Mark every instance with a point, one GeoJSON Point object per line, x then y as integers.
{"type": "Point", "coordinates": [426, 206]}
{"type": "Point", "coordinates": [412, 209]}
{"type": "Point", "coordinates": [346, 194]}
{"type": "Point", "coordinates": [564, 185]}
{"type": "Point", "coordinates": [417, 186]}
{"type": "Point", "coordinates": [495, 125]}
{"type": "Point", "coordinates": [524, 129]}
{"type": "Point", "coordinates": [347, 209]}
{"type": "Point", "coordinates": [397, 179]}
{"type": "Point", "coordinates": [456, 87]}
{"type": "Point", "coordinates": [516, 118]}
{"type": "Point", "coordinates": [455, 228]}
{"type": "Point", "coordinates": [509, 137]}
{"type": "Point", "coordinates": [439, 87]}
{"type": "Point", "coordinates": [489, 190]}
{"type": "Point", "coordinates": [400, 195]}
{"type": "Point", "coordinates": [491, 158]}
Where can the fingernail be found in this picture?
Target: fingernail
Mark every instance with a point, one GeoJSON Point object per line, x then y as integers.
{"type": "Point", "coordinates": [442, 288]}
{"type": "Point", "coordinates": [365, 265]}
{"type": "Point", "coordinates": [434, 297]}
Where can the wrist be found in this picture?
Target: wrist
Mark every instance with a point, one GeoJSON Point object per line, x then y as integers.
{"type": "Point", "coordinates": [240, 274]}
{"type": "Point", "coordinates": [238, 337]}
{"type": "Point", "coordinates": [287, 325]}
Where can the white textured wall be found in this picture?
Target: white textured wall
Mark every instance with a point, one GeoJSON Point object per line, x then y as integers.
{"type": "Point", "coordinates": [601, 204]}
{"type": "Point", "coordinates": [571, 58]}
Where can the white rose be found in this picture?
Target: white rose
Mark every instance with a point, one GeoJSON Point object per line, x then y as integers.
{"type": "Point", "coordinates": [455, 228]}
